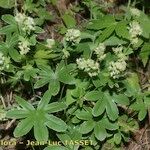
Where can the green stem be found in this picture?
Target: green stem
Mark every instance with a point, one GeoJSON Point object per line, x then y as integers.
{"type": "Point", "coordinates": [129, 3]}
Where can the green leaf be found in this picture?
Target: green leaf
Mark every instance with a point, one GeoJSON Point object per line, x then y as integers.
{"type": "Point", "coordinates": [54, 86]}
{"type": "Point", "coordinates": [142, 113]}
{"type": "Point", "coordinates": [14, 54]}
{"type": "Point", "coordinates": [87, 126]}
{"type": "Point", "coordinates": [23, 127]}
{"type": "Point", "coordinates": [145, 24]}
{"type": "Point", "coordinates": [101, 23]}
{"type": "Point", "coordinates": [7, 3]}
{"type": "Point", "coordinates": [24, 103]}
{"type": "Point", "coordinates": [121, 99]}
{"type": "Point", "coordinates": [109, 125]}
{"type": "Point", "coordinates": [121, 30]}
{"type": "Point", "coordinates": [99, 108]}
{"type": "Point", "coordinates": [69, 21]}
{"type": "Point", "coordinates": [17, 114]}
{"type": "Point", "coordinates": [64, 137]}
{"type": "Point", "coordinates": [132, 85]}
{"type": "Point", "coordinates": [69, 98]}
{"type": "Point", "coordinates": [56, 123]}
{"type": "Point", "coordinates": [8, 29]}
{"type": "Point", "coordinates": [84, 115]}
{"type": "Point", "coordinates": [117, 138]}
{"type": "Point", "coordinates": [100, 132]}
{"type": "Point", "coordinates": [47, 75]}
{"type": "Point", "coordinates": [40, 131]}
{"type": "Point", "coordinates": [93, 95]}
{"type": "Point", "coordinates": [145, 53]}
{"type": "Point", "coordinates": [85, 35]}
{"type": "Point", "coordinates": [111, 107]}
{"type": "Point", "coordinates": [65, 77]}
{"type": "Point", "coordinates": [8, 19]}
{"type": "Point", "coordinates": [41, 83]}
{"type": "Point", "coordinates": [114, 41]}
{"type": "Point", "coordinates": [45, 100]}
{"type": "Point", "coordinates": [39, 30]}
{"type": "Point", "coordinates": [55, 107]}
{"type": "Point", "coordinates": [106, 33]}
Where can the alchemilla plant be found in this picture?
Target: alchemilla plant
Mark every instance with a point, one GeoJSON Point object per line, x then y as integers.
{"type": "Point", "coordinates": [86, 85]}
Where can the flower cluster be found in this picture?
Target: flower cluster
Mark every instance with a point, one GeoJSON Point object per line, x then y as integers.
{"type": "Point", "coordinates": [117, 50]}
{"type": "Point", "coordinates": [50, 43]}
{"type": "Point", "coordinates": [135, 31]}
{"type": "Point", "coordinates": [89, 66]}
{"type": "Point", "coordinates": [24, 46]}
{"type": "Point", "coordinates": [73, 36]}
{"type": "Point", "coordinates": [4, 62]}
{"type": "Point", "coordinates": [26, 23]}
{"type": "Point", "coordinates": [99, 51]}
{"type": "Point", "coordinates": [135, 12]}
{"type": "Point", "coordinates": [117, 67]}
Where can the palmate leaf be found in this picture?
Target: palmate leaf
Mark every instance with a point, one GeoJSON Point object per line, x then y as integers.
{"type": "Point", "coordinates": [48, 76]}
{"type": "Point", "coordinates": [11, 27]}
{"type": "Point", "coordinates": [38, 119]}
{"type": "Point", "coordinates": [100, 130]}
{"type": "Point", "coordinates": [100, 127]}
{"type": "Point", "coordinates": [29, 72]}
{"type": "Point", "coordinates": [106, 103]}
{"type": "Point", "coordinates": [65, 77]}
{"type": "Point", "coordinates": [8, 47]}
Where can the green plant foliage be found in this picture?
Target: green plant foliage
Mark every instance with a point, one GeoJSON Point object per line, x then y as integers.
{"type": "Point", "coordinates": [7, 3]}
{"type": "Point", "coordinates": [39, 118]}
{"type": "Point", "coordinates": [54, 78]}
{"type": "Point", "coordinates": [85, 72]}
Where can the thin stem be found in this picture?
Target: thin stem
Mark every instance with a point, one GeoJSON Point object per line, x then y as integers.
{"type": "Point", "coordinates": [129, 3]}
{"type": "Point", "coordinates": [3, 102]}
{"type": "Point", "coordinates": [61, 94]}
